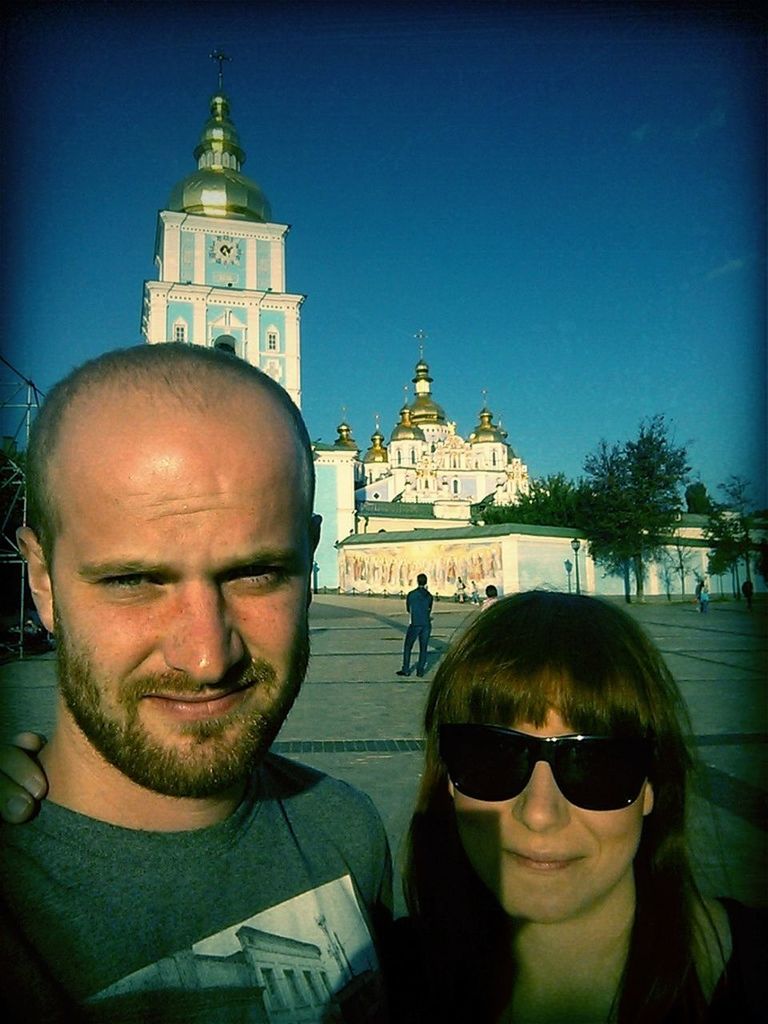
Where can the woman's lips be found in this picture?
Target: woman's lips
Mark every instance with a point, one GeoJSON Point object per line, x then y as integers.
{"type": "Point", "coordinates": [543, 862]}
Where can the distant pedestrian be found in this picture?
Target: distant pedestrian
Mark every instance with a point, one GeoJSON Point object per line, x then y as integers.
{"type": "Point", "coordinates": [704, 599]}
{"type": "Point", "coordinates": [475, 595]}
{"type": "Point", "coordinates": [697, 592]}
{"type": "Point", "coordinates": [419, 605]}
{"type": "Point", "coordinates": [748, 589]}
{"type": "Point", "coordinates": [491, 597]}
{"type": "Point", "coordinates": [461, 588]}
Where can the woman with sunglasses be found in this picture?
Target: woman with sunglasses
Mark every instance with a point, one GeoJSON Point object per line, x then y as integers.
{"type": "Point", "coordinates": [547, 874]}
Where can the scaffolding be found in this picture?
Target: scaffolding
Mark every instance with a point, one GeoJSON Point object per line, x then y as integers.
{"type": "Point", "coordinates": [19, 400]}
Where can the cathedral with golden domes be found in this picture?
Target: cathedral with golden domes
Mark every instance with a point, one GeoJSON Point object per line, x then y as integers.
{"type": "Point", "coordinates": [221, 262]}
{"type": "Point", "coordinates": [428, 463]}
{"type": "Point", "coordinates": [412, 503]}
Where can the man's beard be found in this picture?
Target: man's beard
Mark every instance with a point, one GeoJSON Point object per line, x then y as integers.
{"type": "Point", "coordinates": [217, 753]}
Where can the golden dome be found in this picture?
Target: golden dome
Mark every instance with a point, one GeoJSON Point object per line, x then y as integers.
{"type": "Point", "coordinates": [424, 409]}
{"type": "Point", "coordinates": [217, 188]}
{"type": "Point", "coordinates": [377, 452]}
{"type": "Point", "coordinates": [345, 439]}
{"type": "Point", "coordinates": [405, 430]}
{"type": "Point", "coordinates": [486, 431]}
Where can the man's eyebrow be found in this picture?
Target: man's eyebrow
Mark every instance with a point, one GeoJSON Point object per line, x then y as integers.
{"type": "Point", "coordinates": [121, 567]}
{"type": "Point", "coordinates": [266, 556]}
{"type": "Point", "coordinates": [285, 557]}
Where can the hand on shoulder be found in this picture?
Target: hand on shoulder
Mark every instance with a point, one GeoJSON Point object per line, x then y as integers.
{"type": "Point", "coordinates": [22, 781]}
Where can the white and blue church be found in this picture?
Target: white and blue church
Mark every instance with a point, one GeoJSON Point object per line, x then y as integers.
{"type": "Point", "coordinates": [408, 502]}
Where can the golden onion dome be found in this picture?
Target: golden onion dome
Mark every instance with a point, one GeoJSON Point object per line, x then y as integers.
{"type": "Point", "coordinates": [377, 452]}
{"type": "Point", "coordinates": [345, 439]}
{"type": "Point", "coordinates": [424, 409]}
{"type": "Point", "coordinates": [486, 431]}
{"type": "Point", "coordinates": [217, 188]}
{"type": "Point", "coordinates": [406, 430]}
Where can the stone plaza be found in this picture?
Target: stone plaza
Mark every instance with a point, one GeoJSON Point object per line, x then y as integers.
{"type": "Point", "coordinates": [356, 720]}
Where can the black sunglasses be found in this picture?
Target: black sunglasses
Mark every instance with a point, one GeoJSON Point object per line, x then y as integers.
{"type": "Point", "coordinates": [596, 773]}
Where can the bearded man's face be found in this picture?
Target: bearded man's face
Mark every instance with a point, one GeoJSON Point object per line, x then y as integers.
{"type": "Point", "coordinates": [179, 583]}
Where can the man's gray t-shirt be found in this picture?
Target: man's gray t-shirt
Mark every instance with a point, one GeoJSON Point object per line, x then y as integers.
{"type": "Point", "coordinates": [268, 915]}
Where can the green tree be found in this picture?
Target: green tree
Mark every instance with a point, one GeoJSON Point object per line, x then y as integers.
{"type": "Point", "coordinates": [721, 532]}
{"type": "Point", "coordinates": [729, 530]}
{"type": "Point", "coordinates": [676, 562]}
{"type": "Point", "coordinates": [551, 501]}
{"type": "Point", "coordinates": [696, 498]}
{"type": "Point", "coordinates": [761, 561]}
{"type": "Point", "coordinates": [631, 500]}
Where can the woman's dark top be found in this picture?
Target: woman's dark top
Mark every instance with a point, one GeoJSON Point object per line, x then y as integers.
{"type": "Point", "coordinates": [740, 997]}
{"type": "Point", "coordinates": [742, 992]}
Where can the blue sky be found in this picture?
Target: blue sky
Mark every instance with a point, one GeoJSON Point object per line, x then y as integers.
{"type": "Point", "coordinates": [568, 199]}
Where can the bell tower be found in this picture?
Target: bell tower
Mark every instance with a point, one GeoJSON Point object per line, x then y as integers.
{"type": "Point", "coordinates": [221, 261]}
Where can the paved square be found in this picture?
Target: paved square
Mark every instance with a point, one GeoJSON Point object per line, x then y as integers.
{"type": "Point", "coordinates": [355, 719]}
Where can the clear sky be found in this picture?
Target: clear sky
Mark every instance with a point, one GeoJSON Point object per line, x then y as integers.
{"type": "Point", "coordinates": [568, 199]}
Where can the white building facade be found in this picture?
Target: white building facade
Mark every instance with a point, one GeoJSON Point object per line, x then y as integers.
{"type": "Point", "coordinates": [221, 263]}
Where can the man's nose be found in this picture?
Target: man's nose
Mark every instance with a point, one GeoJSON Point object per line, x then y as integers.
{"type": "Point", "coordinates": [201, 639]}
{"type": "Point", "coordinates": [541, 806]}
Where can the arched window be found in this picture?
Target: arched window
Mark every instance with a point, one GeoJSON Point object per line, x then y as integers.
{"type": "Point", "coordinates": [455, 486]}
{"type": "Point", "coordinates": [226, 343]}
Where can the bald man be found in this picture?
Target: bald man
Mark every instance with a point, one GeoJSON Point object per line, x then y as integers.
{"type": "Point", "coordinates": [178, 871]}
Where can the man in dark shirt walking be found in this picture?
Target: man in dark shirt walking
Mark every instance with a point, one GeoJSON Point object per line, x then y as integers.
{"type": "Point", "coordinates": [419, 605]}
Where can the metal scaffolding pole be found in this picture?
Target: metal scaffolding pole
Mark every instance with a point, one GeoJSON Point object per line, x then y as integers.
{"type": "Point", "coordinates": [19, 400]}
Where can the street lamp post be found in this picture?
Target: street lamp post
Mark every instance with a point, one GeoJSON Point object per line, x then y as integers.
{"type": "Point", "coordinates": [576, 545]}
{"type": "Point", "coordinates": [569, 569]}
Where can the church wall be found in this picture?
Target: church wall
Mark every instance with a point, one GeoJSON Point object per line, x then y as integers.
{"type": "Point", "coordinates": [542, 564]}
{"type": "Point", "coordinates": [513, 562]}
{"type": "Point", "coordinates": [334, 484]}
{"type": "Point", "coordinates": [393, 567]}
{"type": "Point", "coordinates": [326, 506]}
{"type": "Point", "coordinates": [187, 257]}
{"type": "Point", "coordinates": [230, 275]}
{"type": "Point", "coordinates": [180, 311]}
{"type": "Point", "coordinates": [264, 265]}
{"type": "Point", "coordinates": [272, 320]}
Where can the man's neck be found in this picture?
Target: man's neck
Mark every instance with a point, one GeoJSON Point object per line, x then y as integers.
{"type": "Point", "coordinates": [81, 780]}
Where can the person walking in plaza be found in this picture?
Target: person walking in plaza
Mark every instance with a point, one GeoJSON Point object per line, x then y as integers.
{"type": "Point", "coordinates": [748, 589]}
{"type": "Point", "coordinates": [169, 547]}
{"type": "Point", "coordinates": [461, 590]}
{"type": "Point", "coordinates": [704, 599]}
{"type": "Point", "coordinates": [418, 603]}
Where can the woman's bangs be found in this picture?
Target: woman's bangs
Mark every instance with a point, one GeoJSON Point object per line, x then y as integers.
{"type": "Point", "coordinates": [513, 693]}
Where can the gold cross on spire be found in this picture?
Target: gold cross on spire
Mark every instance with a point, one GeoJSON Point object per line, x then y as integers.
{"type": "Point", "coordinates": [219, 56]}
{"type": "Point", "coordinates": [421, 337]}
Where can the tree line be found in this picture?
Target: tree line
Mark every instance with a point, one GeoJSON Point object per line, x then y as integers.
{"type": "Point", "coordinates": [628, 506]}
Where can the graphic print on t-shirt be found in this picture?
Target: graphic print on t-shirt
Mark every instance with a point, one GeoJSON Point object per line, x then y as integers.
{"type": "Point", "coordinates": [310, 959]}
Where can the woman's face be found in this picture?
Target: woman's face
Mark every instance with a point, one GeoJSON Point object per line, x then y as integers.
{"type": "Point", "coordinates": [545, 859]}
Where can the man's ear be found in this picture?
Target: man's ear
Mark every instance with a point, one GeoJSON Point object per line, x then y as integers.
{"type": "Point", "coordinates": [314, 539]}
{"type": "Point", "coordinates": [315, 523]}
{"type": "Point", "coordinates": [39, 576]}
